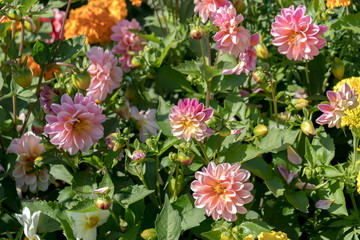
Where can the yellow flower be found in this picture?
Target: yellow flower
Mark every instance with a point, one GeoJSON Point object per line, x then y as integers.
{"type": "Point", "coordinates": [337, 3]}
{"type": "Point", "coordinates": [353, 82]}
{"type": "Point", "coordinates": [95, 20]}
{"type": "Point", "coordinates": [249, 237]}
{"type": "Point", "coordinates": [358, 182]}
{"type": "Point", "coordinates": [136, 2]}
{"type": "Point", "coordinates": [273, 236]}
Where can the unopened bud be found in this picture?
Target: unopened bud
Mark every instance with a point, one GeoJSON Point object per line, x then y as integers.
{"type": "Point", "coordinates": [259, 76]}
{"type": "Point", "coordinates": [37, 128]}
{"type": "Point", "coordinates": [197, 33]}
{"type": "Point", "coordinates": [260, 130]}
{"type": "Point", "coordinates": [149, 234]}
{"type": "Point", "coordinates": [262, 51]}
{"type": "Point", "coordinates": [224, 131]}
{"type": "Point", "coordinates": [137, 62]}
{"type": "Point", "coordinates": [81, 80]}
{"type": "Point", "coordinates": [103, 203]}
{"type": "Point", "coordinates": [23, 77]}
{"type": "Point", "coordinates": [307, 127]}
{"type": "Point", "coordinates": [338, 68]}
{"type": "Point", "coordinates": [300, 103]}
{"type": "Point", "coordinates": [240, 5]}
{"type": "Point", "coordinates": [292, 156]}
{"type": "Point", "coordinates": [185, 158]}
{"type": "Point", "coordinates": [138, 156]}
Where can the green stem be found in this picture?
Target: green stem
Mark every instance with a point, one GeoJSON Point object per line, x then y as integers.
{"type": "Point", "coordinates": [157, 15]}
{"type": "Point", "coordinates": [208, 49]}
{"type": "Point", "coordinates": [22, 35]}
{"type": "Point", "coordinates": [202, 51]}
{"type": "Point", "coordinates": [307, 74]}
{"type": "Point", "coordinates": [273, 93]}
{"type": "Point", "coordinates": [114, 217]}
{"type": "Point", "coordinates": [2, 144]}
{"type": "Point", "coordinates": [163, 14]}
{"type": "Point", "coordinates": [176, 182]}
{"type": "Point", "coordinates": [354, 205]}
{"type": "Point", "coordinates": [14, 109]}
{"type": "Point", "coordinates": [157, 179]}
{"type": "Point", "coordinates": [206, 158]}
{"type": "Point", "coordinates": [355, 146]}
{"type": "Point", "coordinates": [176, 12]}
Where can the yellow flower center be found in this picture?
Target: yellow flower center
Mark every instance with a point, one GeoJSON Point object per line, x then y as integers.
{"type": "Point", "coordinates": [93, 221]}
{"type": "Point", "coordinates": [80, 125]}
{"type": "Point", "coordinates": [219, 188]}
{"type": "Point", "coordinates": [293, 38]}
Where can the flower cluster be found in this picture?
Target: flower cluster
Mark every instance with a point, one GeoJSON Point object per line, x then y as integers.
{"type": "Point", "coordinates": [337, 3]}
{"type": "Point", "coordinates": [295, 35]}
{"type": "Point", "coordinates": [206, 8]}
{"type": "Point", "coordinates": [105, 75]}
{"type": "Point", "coordinates": [339, 103]}
{"type": "Point", "coordinates": [188, 120]}
{"type": "Point", "coordinates": [75, 125]}
{"type": "Point", "coordinates": [222, 189]}
{"type": "Point", "coordinates": [269, 236]}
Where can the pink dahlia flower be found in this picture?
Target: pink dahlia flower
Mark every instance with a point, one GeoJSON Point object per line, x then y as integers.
{"type": "Point", "coordinates": [226, 17]}
{"type": "Point", "coordinates": [339, 102]}
{"type": "Point", "coordinates": [206, 8]}
{"type": "Point", "coordinates": [127, 41]}
{"type": "Point", "coordinates": [56, 23]}
{"type": "Point", "coordinates": [145, 122]}
{"type": "Point", "coordinates": [75, 125]}
{"type": "Point", "coordinates": [188, 120]}
{"type": "Point", "coordinates": [295, 35]}
{"type": "Point", "coordinates": [105, 75]}
{"type": "Point", "coordinates": [247, 59]}
{"type": "Point", "coordinates": [222, 190]}
{"type": "Point", "coordinates": [26, 175]}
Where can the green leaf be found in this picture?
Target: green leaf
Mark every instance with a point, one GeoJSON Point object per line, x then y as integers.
{"type": "Point", "coordinates": [107, 182]}
{"type": "Point", "coordinates": [169, 142]}
{"type": "Point", "coordinates": [168, 40]}
{"type": "Point", "coordinates": [25, 5]}
{"type": "Point", "coordinates": [131, 195]}
{"type": "Point", "coordinates": [188, 67]}
{"type": "Point", "coordinates": [277, 140]}
{"type": "Point", "coordinates": [67, 229]}
{"type": "Point", "coordinates": [60, 172]}
{"type": "Point", "coordinates": [27, 96]}
{"type": "Point", "coordinates": [162, 117]}
{"type": "Point", "coordinates": [276, 186]}
{"type": "Point", "coordinates": [190, 215]}
{"type": "Point", "coordinates": [132, 233]}
{"type": "Point", "coordinates": [239, 152]}
{"type": "Point", "coordinates": [332, 172]}
{"type": "Point", "coordinates": [259, 167]}
{"type": "Point", "coordinates": [4, 27]}
{"type": "Point", "coordinates": [167, 222]}
{"type": "Point", "coordinates": [151, 37]}
{"type": "Point", "coordinates": [231, 81]}
{"type": "Point", "coordinates": [84, 183]}
{"type": "Point", "coordinates": [254, 228]}
{"type": "Point", "coordinates": [232, 104]}
{"type": "Point", "coordinates": [41, 53]}
{"type": "Point", "coordinates": [310, 154]}
{"type": "Point", "coordinates": [324, 146]}
{"type": "Point", "coordinates": [69, 48]}
{"type": "Point", "coordinates": [349, 22]}
{"type": "Point", "coordinates": [87, 205]}
{"type": "Point", "coordinates": [13, 50]}
{"type": "Point", "coordinates": [178, 80]}
{"type": "Point", "coordinates": [186, 10]}
{"type": "Point", "coordinates": [208, 71]}
{"type": "Point", "coordinates": [334, 192]}
{"type": "Point", "coordinates": [212, 235]}
{"type": "Point", "coordinates": [298, 199]}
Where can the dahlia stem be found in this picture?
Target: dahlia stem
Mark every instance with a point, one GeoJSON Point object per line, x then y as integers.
{"type": "Point", "coordinates": [273, 89]}
{"type": "Point", "coordinates": [307, 74]}
{"type": "Point", "coordinates": [208, 49]}
{"type": "Point", "coordinates": [2, 144]}
{"type": "Point", "coordinates": [14, 110]}
{"type": "Point", "coordinates": [354, 204]}
{"type": "Point", "coordinates": [114, 217]}
{"type": "Point", "coordinates": [176, 182]}
{"type": "Point", "coordinates": [206, 158]}
{"type": "Point", "coordinates": [157, 178]}
{"type": "Point", "coordinates": [202, 51]}
{"type": "Point", "coordinates": [157, 15]}
{"type": "Point", "coordinates": [355, 146]}
{"type": "Point", "coordinates": [22, 35]}
{"type": "Point", "coordinates": [142, 178]}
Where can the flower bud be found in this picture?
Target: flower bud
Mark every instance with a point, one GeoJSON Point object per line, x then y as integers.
{"type": "Point", "coordinates": [138, 156]}
{"type": "Point", "coordinates": [178, 184]}
{"type": "Point", "coordinates": [239, 5]}
{"type": "Point", "coordinates": [185, 158]}
{"type": "Point", "coordinates": [137, 62]}
{"type": "Point", "coordinates": [300, 103]}
{"type": "Point", "coordinates": [81, 80]}
{"type": "Point", "coordinates": [197, 33]}
{"type": "Point", "coordinates": [37, 127]}
{"type": "Point", "coordinates": [259, 76]}
{"type": "Point", "coordinates": [149, 234]}
{"type": "Point", "coordinates": [307, 127]}
{"type": "Point", "coordinates": [262, 51]}
{"type": "Point", "coordinates": [224, 131]}
{"type": "Point", "coordinates": [23, 77]}
{"type": "Point", "coordinates": [103, 203]}
{"type": "Point", "coordinates": [338, 68]}
{"type": "Point", "coordinates": [260, 130]}
{"type": "Point", "coordinates": [292, 156]}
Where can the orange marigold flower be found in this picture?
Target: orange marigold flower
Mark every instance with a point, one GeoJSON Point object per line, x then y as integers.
{"type": "Point", "coordinates": [116, 8]}
{"type": "Point", "coordinates": [337, 3]}
{"type": "Point", "coordinates": [136, 2]}
{"type": "Point", "coordinates": [18, 24]}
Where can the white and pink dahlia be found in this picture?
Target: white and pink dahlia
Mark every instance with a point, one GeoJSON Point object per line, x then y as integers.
{"type": "Point", "coordinates": [206, 8]}
{"type": "Point", "coordinates": [26, 174]}
{"type": "Point", "coordinates": [247, 59]}
{"type": "Point", "coordinates": [105, 75]}
{"type": "Point", "coordinates": [127, 41]}
{"type": "Point", "coordinates": [145, 122]}
{"type": "Point", "coordinates": [339, 102]}
{"type": "Point", "coordinates": [75, 125]}
{"type": "Point", "coordinates": [188, 120]}
{"type": "Point", "coordinates": [222, 190]}
{"type": "Point", "coordinates": [295, 35]}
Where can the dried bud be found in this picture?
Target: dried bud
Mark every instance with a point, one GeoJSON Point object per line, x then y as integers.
{"type": "Point", "coordinates": [81, 80]}
{"type": "Point", "coordinates": [260, 130]}
{"type": "Point", "coordinates": [123, 225]}
{"type": "Point", "coordinates": [103, 203]}
{"type": "Point", "coordinates": [197, 33]}
{"type": "Point", "coordinates": [149, 234]}
{"type": "Point", "coordinates": [292, 156]}
{"type": "Point", "coordinates": [138, 156]}
{"type": "Point", "coordinates": [185, 158]}
{"type": "Point", "coordinates": [262, 51]}
{"type": "Point", "coordinates": [338, 68]}
{"type": "Point", "coordinates": [300, 103]}
{"type": "Point", "coordinates": [307, 127]}
{"type": "Point", "coordinates": [37, 127]}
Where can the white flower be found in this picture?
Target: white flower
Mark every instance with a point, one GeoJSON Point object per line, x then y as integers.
{"type": "Point", "coordinates": [30, 223]}
{"type": "Point", "coordinates": [145, 122]}
{"type": "Point", "coordinates": [86, 223]}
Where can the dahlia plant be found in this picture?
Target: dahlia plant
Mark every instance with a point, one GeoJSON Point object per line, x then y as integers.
{"type": "Point", "coordinates": [192, 119]}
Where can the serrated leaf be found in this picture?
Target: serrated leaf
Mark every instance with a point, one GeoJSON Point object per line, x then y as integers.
{"type": "Point", "coordinates": [188, 67]}
{"type": "Point", "coordinates": [167, 222]}
{"type": "Point", "coordinates": [298, 200]}
{"type": "Point", "coordinates": [277, 140]}
{"type": "Point", "coordinates": [27, 96]}
{"type": "Point", "coordinates": [60, 172]}
{"type": "Point", "coordinates": [84, 183]}
{"type": "Point", "coordinates": [41, 53]}
{"type": "Point", "coordinates": [232, 104]}
{"type": "Point", "coordinates": [310, 154]}
{"type": "Point", "coordinates": [87, 205]}
{"type": "Point", "coordinates": [259, 168]}
{"type": "Point", "coordinates": [69, 48]}
{"type": "Point", "coordinates": [178, 80]}
{"type": "Point", "coordinates": [240, 152]}
{"type": "Point", "coordinates": [350, 22]}
{"type": "Point", "coordinates": [132, 194]}
{"type": "Point", "coordinates": [254, 228]}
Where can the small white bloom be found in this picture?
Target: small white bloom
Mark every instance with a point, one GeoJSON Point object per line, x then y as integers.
{"type": "Point", "coordinates": [30, 223]}
{"type": "Point", "coordinates": [145, 122]}
{"type": "Point", "coordinates": [87, 223]}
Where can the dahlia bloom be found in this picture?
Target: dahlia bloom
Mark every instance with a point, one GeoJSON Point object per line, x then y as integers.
{"type": "Point", "coordinates": [30, 223]}
{"type": "Point", "coordinates": [145, 122]}
{"type": "Point", "coordinates": [26, 175]}
{"type": "Point", "coordinates": [339, 103]}
{"type": "Point", "coordinates": [188, 120]}
{"type": "Point", "coordinates": [206, 8]}
{"type": "Point", "coordinates": [86, 223]}
{"type": "Point", "coordinates": [226, 17]}
{"type": "Point", "coordinates": [337, 3]}
{"type": "Point", "coordinates": [247, 59]}
{"type": "Point", "coordinates": [56, 23]}
{"type": "Point", "coordinates": [47, 97]}
{"type": "Point", "coordinates": [105, 75]}
{"type": "Point", "coordinates": [295, 35]}
{"type": "Point", "coordinates": [75, 125]}
{"type": "Point", "coordinates": [127, 41]}
{"type": "Point", "coordinates": [222, 190]}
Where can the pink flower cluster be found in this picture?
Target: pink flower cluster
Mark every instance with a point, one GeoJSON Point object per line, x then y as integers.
{"type": "Point", "coordinates": [56, 22]}
{"type": "Point", "coordinates": [222, 190]}
{"type": "Point", "coordinates": [127, 41]}
{"type": "Point", "coordinates": [188, 120]}
{"type": "Point", "coordinates": [206, 8]}
{"type": "Point", "coordinates": [295, 35]}
{"type": "Point", "coordinates": [75, 125]}
{"type": "Point", "coordinates": [339, 102]}
{"type": "Point", "coordinates": [105, 75]}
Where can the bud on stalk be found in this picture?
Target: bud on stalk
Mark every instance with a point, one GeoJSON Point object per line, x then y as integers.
{"type": "Point", "coordinates": [260, 130]}
{"type": "Point", "coordinates": [81, 80]}
{"type": "Point", "coordinates": [262, 51]}
{"type": "Point", "coordinates": [103, 203]}
{"type": "Point", "coordinates": [307, 127]}
{"type": "Point", "coordinates": [338, 68]}
{"type": "Point", "coordinates": [197, 33]}
{"type": "Point", "coordinates": [149, 234]}
{"type": "Point", "coordinates": [23, 77]}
